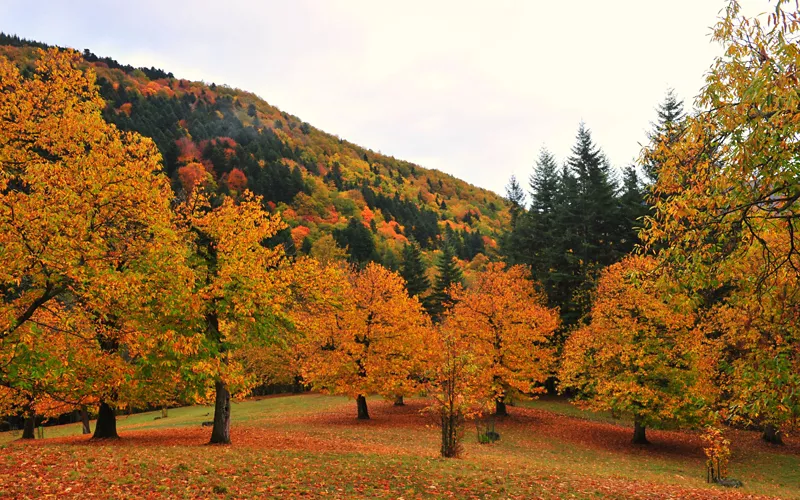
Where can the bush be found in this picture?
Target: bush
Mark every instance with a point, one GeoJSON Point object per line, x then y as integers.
{"type": "Point", "coordinates": [486, 432]}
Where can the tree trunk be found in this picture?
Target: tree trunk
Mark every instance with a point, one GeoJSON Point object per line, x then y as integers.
{"type": "Point", "coordinates": [361, 403]}
{"type": "Point", "coordinates": [639, 436]}
{"type": "Point", "coordinates": [772, 434]}
{"type": "Point", "coordinates": [500, 407]}
{"type": "Point", "coordinates": [106, 426]}
{"type": "Point", "coordinates": [450, 423]}
{"type": "Point", "coordinates": [398, 401]}
{"type": "Point", "coordinates": [221, 433]}
{"type": "Point", "coordinates": [29, 428]}
{"type": "Point", "coordinates": [85, 420]}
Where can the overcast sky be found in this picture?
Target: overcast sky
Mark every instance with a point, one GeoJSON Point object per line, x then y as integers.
{"type": "Point", "coordinates": [471, 88]}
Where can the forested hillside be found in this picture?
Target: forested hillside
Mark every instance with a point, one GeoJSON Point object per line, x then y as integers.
{"type": "Point", "coordinates": [229, 139]}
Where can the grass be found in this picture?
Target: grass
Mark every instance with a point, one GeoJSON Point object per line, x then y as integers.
{"type": "Point", "coordinates": [312, 445]}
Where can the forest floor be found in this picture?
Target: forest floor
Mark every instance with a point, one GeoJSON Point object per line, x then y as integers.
{"type": "Point", "coordinates": [312, 445]}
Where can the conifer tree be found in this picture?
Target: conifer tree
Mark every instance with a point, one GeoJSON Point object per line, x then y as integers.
{"type": "Point", "coordinates": [515, 197]}
{"type": "Point", "coordinates": [667, 128]}
{"type": "Point", "coordinates": [412, 269]}
{"type": "Point", "coordinates": [596, 203]}
{"type": "Point", "coordinates": [633, 208]}
{"type": "Point", "coordinates": [448, 274]}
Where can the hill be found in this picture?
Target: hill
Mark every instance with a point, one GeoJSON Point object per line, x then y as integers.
{"type": "Point", "coordinates": [230, 139]}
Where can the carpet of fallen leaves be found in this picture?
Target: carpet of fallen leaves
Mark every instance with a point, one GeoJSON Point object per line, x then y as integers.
{"type": "Point", "coordinates": [306, 454]}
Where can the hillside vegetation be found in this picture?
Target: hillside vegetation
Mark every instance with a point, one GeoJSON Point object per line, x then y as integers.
{"type": "Point", "coordinates": [229, 139]}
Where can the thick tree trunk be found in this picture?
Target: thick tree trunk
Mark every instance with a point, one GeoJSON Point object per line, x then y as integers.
{"type": "Point", "coordinates": [772, 434]}
{"type": "Point", "coordinates": [361, 403]}
{"type": "Point", "coordinates": [29, 428]}
{"type": "Point", "coordinates": [639, 436]}
{"type": "Point", "coordinates": [398, 401]}
{"type": "Point", "coordinates": [500, 407]}
{"type": "Point", "coordinates": [85, 420]}
{"type": "Point", "coordinates": [106, 426]}
{"type": "Point", "coordinates": [221, 433]}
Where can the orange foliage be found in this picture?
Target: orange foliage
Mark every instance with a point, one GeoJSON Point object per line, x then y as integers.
{"type": "Point", "coordinates": [359, 333]}
{"type": "Point", "coordinates": [508, 328]}
{"type": "Point", "coordinates": [188, 150]}
{"type": "Point", "coordinates": [367, 215]}
{"type": "Point", "coordinates": [92, 229]}
{"type": "Point", "coordinates": [639, 337]}
{"type": "Point", "coordinates": [193, 175]}
{"type": "Point", "coordinates": [236, 180]}
{"type": "Point", "coordinates": [299, 233]}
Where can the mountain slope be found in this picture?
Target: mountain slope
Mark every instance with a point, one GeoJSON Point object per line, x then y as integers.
{"type": "Point", "coordinates": [230, 139]}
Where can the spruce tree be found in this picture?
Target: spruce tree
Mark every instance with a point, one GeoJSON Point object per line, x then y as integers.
{"type": "Point", "coordinates": [670, 117]}
{"type": "Point", "coordinates": [448, 274]}
{"type": "Point", "coordinates": [412, 269]}
{"type": "Point", "coordinates": [633, 208]}
{"type": "Point", "coordinates": [596, 202]}
{"type": "Point", "coordinates": [516, 198]}
{"type": "Point", "coordinates": [544, 184]}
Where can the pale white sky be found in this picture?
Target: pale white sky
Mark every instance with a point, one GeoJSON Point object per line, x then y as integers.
{"type": "Point", "coordinates": [471, 88]}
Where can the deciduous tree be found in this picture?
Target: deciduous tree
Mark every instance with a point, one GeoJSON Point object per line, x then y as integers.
{"type": "Point", "coordinates": [639, 354]}
{"type": "Point", "coordinates": [238, 286]}
{"type": "Point", "coordinates": [510, 328]}
{"type": "Point", "coordinates": [360, 333]}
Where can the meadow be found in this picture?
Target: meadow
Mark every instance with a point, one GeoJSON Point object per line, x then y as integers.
{"type": "Point", "coordinates": [312, 445]}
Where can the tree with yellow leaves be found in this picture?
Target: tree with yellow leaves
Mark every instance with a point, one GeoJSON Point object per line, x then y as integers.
{"type": "Point", "coordinates": [239, 289]}
{"type": "Point", "coordinates": [639, 355]}
{"type": "Point", "coordinates": [360, 333]}
{"type": "Point", "coordinates": [727, 207]}
{"type": "Point", "coordinates": [87, 242]}
{"type": "Point", "coordinates": [509, 327]}
{"type": "Point", "coordinates": [458, 382]}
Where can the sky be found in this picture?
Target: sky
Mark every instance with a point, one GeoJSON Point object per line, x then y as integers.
{"type": "Point", "coordinates": [472, 88]}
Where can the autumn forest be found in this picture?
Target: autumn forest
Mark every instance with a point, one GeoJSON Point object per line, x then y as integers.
{"type": "Point", "coordinates": [204, 296]}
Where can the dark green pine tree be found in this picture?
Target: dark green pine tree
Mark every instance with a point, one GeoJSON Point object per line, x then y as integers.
{"type": "Point", "coordinates": [666, 128]}
{"type": "Point", "coordinates": [596, 202]}
{"type": "Point", "coordinates": [412, 269]}
{"type": "Point", "coordinates": [550, 227]}
{"type": "Point", "coordinates": [516, 199]}
{"type": "Point", "coordinates": [633, 208]}
{"type": "Point", "coordinates": [564, 273]}
{"type": "Point", "coordinates": [358, 240]}
{"type": "Point", "coordinates": [544, 184]}
{"type": "Point", "coordinates": [448, 274]}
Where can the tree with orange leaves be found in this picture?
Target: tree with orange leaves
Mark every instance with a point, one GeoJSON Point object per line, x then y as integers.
{"type": "Point", "coordinates": [360, 333]}
{"type": "Point", "coordinates": [640, 354]}
{"type": "Point", "coordinates": [239, 286]}
{"type": "Point", "coordinates": [457, 382]}
{"type": "Point", "coordinates": [87, 241]}
{"type": "Point", "coordinates": [510, 327]}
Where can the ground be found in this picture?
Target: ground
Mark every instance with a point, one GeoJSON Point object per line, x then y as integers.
{"type": "Point", "coordinates": [312, 445]}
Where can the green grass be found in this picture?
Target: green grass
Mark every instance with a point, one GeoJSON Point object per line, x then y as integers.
{"type": "Point", "coordinates": [313, 445]}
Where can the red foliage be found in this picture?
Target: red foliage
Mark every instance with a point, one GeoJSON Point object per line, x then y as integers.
{"type": "Point", "coordinates": [236, 180]}
{"type": "Point", "coordinates": [188, 150]}
{"type": "Point", "coordinates": [192, 175]}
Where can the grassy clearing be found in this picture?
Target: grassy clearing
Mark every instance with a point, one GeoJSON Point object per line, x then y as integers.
{"type": "Point", "coordinates": [312, 445]}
